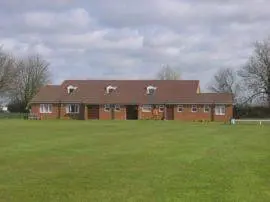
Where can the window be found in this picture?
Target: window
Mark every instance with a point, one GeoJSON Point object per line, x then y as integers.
{"type": "Point", "coordinates": [71, 89]}
{"type": "Point", "coordinates": [72, 109]}
{"type": "Point", "coordinates": [180, 108]}
{"type": "Point", "coordinates": [146, 108]}
{"type": "Point", "coordinates": [220, 110]}
{"type": "Point", "coordinates": [110, 89]}
{"type": "Point", "coordinates": [194, 108]}
{"type": "Point", "coordinates": [151, 90]}
{"type": "Point", "coordinates": [161, 108]}
{"type": "Point", "coordinates": [45, 108]}
{"type": "Point", "coordinates": [206, 108]}
{"type": "Point", "coordinates": [117, 108]}
{"type": "Point", "coordinates": [107, 107]}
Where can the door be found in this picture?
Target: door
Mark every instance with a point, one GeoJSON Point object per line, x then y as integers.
{"type": "Point", "coordinates": [132, 112]}
{"type": "Point", "coordinates": [170, 112]}
{"type": "Point", "coordinates": [93, 112]}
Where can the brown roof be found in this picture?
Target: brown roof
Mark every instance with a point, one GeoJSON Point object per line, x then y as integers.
{"type": "Point", "coordinates": [130, 92]}
{"type": "Point", "coordinates": [47, 94]}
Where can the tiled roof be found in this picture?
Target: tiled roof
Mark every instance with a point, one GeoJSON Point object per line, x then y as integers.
{"type": "Point", "coordinates": [129, 92]}
{"type": "Point", "coordinates": [48, 94]}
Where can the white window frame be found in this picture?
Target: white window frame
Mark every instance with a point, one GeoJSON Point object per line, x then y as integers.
{"type": "Point", "coordinates": [69, 109]}
{"type": "Point", "coordinates": [151, 90]}
{"type": "Point", "coordinates": [161, 108]}
{"type": "Point", "coordinates": [220, 110]}
{"type": "Point", "coordinates": [192, 107]}
{"type": "Point", "coordinates": [107, 107]}
{"type": "Point", "coordinates": [117, 108]}
{"type": "Point", "coordinates": [147, 108]}
{"type": "Point", "coordinates": [206, 107]}
{"type": "Point", "coordinates": [73, 88]}
{"type": "Point", "coordinates": [45, 108]}
{"type": "Point", "coordinates": [110, 89]}
{"type": "Point", "coordinates": [180, 107]}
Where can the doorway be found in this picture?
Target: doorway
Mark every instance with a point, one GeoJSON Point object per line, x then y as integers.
{"type": "Point", "coordinates": [93, 112]}
{"type": "Point", "coordinates": [132, 112]}
{"type": "Point", "coordinates": [170, 112]}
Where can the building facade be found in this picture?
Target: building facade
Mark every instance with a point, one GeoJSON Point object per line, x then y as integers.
{"type": "Point", "coordinates": [131, 100]}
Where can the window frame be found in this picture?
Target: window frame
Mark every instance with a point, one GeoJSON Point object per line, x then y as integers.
{"type": "Point", "coordinates": [150, 90]}
{"type": "Point", "coordinates": [206, 107]}
{"type": "Point", "coordinates": [48, 108]}
{"type": "Point", "coordinates": [107, 107]}
{"type": "Point", "coordinates": [150, 108]}
{"type": "Point", "coordinates": [117, 108]}
{"type": "Point", "coordinates": [76, 107]}
{"type": "Point", "coordinates": [180, 107]}
{"type": "Point", "coordinates": [71, 89]}
{"type": "Point", "coordinates": [192, 107]}
{"type": "Point", "coordinates": [161, 107]}
{"type": "Point", "coordinates": [219, 110]}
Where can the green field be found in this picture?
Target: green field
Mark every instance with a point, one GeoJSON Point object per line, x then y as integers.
{"type": "Point", "coordinates": [144, 161]}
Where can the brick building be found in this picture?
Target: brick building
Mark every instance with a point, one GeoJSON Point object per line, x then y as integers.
{"type": "Point", "coordinates": [131, 100]}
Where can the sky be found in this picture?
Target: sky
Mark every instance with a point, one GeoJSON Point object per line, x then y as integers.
{"type": "Point", "coordinates": [127, 39]}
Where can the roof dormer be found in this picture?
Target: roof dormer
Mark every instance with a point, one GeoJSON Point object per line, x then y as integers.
{"type": "Point", "coordinates": [110, 89]}
{"type": "Point", "coordinates": [150, 90]}
{"type": "Point", "coordinates": [71, 89]}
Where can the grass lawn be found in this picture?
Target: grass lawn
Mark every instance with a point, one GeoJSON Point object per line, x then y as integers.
{"type": "Point", "coordinates": [144, 161]}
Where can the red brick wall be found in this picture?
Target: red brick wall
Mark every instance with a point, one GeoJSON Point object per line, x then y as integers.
{"type": "Point", "coordinates": [79, 116]}
{"type": "Point", "coordinates": [149, 115]}
{"type": "Point", "coordinates": [227, 116]}
{"type": "Point", "coordinates": [120, 115]}
{"type": "Point", "coordinates": [186, 115]}
{"type": "Point", "coordinates": [104, 115]}
{"type": "Point", "coordinates": [58, 110]}
{"type": "Point", "coordinates": [35, 108]}
{"type": "Point", "coordinates": [107, 115]}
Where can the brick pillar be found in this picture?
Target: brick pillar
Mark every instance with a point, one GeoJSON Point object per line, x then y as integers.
{"type": "Point", "coordinates": [139, 112]}
{"type": "Point", "coordinates": [85, 112]}
{"type": "Point", "coordinates": [62, 111]}
{"type": "Point", "coordinates": [212, 111]}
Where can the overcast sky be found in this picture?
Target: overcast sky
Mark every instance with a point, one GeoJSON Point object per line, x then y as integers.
{"type": "Point", "coordinates": [128, 39]}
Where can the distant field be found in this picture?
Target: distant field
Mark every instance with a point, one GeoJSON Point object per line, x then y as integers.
{"type": "Point", "coordinates": [130, 161]}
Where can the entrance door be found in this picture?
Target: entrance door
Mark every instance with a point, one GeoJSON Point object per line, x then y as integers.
{"type": "Point", "coordinates": [132, 112]}
{"type": "Point", "coordinates": [170, 112]}
{"type": "Point", "coordinates": [93, 112]}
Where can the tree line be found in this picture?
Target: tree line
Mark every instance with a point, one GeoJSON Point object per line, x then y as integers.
{"type": "Point", "coordinates": [250, 84]}
{"type": "Point", "coordinates": [21, 78]}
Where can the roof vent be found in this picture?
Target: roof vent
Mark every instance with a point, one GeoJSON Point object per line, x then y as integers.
{"type": "Point", "coordinates": [71, 89]}
{"type": "Point", "coordinates": [150, 90]}
{"type": "Point", "coordinates": [110, 89]}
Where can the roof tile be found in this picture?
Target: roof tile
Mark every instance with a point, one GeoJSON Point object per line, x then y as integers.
{"type": "Point", "coordinates": [129, 91]}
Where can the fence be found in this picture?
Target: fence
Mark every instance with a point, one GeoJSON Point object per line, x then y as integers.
{"type": "Point", "coordinates": [13, 115]}
{"type": "Point", "coordinates": [251, 121]}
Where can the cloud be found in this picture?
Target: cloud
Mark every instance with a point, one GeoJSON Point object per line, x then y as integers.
{"type": "Point", "coordinates": [75, 18]}
{"type": "Point", "coordinates": [131, 39]}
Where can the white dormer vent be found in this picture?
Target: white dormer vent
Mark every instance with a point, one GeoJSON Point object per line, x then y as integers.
{"type": "Point", "coordinates": [71, 89]}
{"type": "Point", "coordinates": [150, 90]}
{"type": "Point", "coordinates": [110, 89]}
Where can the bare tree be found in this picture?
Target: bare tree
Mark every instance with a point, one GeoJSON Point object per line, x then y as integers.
{"type": "Point", "coordinates": [225, 81]}
{"type": "Point", "coordinates": [168, 73]}
{"type": "Point", "coordinates": [33, 73]}
{"type": "Point", "coordinates": [7, 71]}
{"type": "Point", "coordinates": [256, 73]}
